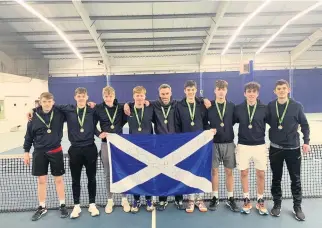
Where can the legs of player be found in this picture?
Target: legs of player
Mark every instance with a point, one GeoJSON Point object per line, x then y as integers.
{"type": "Point", "coordinates": [260, 206]}
{"type": "Point", "coordinates": [110, 203]}
{"type": "Point", "coordinates": [247, 204]}
{"type": "Point", "coordinates": [56, 160]}
{"type": "Point", "coordinates": [196, 200]}
{"type": "Point", "coordinates": [215, 185]}
{"type": "Point", "coordinates": [90, 163]}
{"type": "Point", "coordinates": [260, 162]}
{"type": "Point", "coordinates": [243, 157]}
{"type": "Point", "coordinates": [231, 203]}
{"type": "Point", "coordinates": [42, 189]}
{"type": "Point", "coordinates": [178, 200]}
{"type": "Point", "coordinates": [60, 189]}
{"type": "Point", "coordinates": [75, 165]}
{"type": "Point", "coordinates": [137, 204]}
{"type": "Point", "coordinates": [225, 153]}
{"type": "Point", "coordinates": [163, 203]}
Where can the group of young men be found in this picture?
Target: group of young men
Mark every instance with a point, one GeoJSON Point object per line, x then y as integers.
{"type": "Point", "coordinates": [192, 113]}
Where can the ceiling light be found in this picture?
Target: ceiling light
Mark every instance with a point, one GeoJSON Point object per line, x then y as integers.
{"type": "Point", "coordinates": [316, 5]}
{"type": "Point", "coordinates": [237, 32]}
{"type": "Point", "coordinates": [48, 22]}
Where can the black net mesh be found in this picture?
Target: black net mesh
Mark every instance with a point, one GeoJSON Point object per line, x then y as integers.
{"type": "Point", "coordinates": [18, 187]}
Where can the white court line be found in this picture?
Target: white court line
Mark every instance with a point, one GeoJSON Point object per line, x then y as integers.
{"type": "Point", "coordinates": [154, 218]}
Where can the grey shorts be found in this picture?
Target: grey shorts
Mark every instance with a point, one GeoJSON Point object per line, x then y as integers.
{"type": "Point", "coordinates": [225, 153]}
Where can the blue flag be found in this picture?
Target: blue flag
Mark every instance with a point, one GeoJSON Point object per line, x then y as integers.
{"type": "Point", "coordinates": [161, 165]}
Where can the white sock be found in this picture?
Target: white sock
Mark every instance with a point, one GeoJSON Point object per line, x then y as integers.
{"type": "Point", "coordinates": [92, 205]}
{"type": "Point", "coordinates": [61, 202]}
{"type": "Point", "coordinates": [215, 194]}
{"type": "Point", "coordinates": [230, 194]}
{"type": "Point", "coordinates": [259, 197]}
{"type": "Point", "coordinates": [77, 205]}
{"type": "Point", "coordinates": [42, 204]}
{"type": "Point", "coordinates": [246, 195]}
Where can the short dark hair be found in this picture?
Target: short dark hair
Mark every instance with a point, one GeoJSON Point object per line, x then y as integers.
{"type": "Point", "coordinates": [80, 90]}
{"type": "Point", "coordinates": [252, 86]}
{"type": "Point", "coordinates": [164, 86]}
{"type": "Point", "coordinates": [221, 84]}
{"type": "Point", "coordinates": [190, 83]}
{"type": "Point", "coordinates": [282, 82]}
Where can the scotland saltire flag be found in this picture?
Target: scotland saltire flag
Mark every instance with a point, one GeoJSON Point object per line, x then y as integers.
{"type": "Point", "coordinates": [161, 165]}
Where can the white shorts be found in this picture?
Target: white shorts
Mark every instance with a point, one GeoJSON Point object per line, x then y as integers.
{"type": "Point", "coordinates": [245, 154]}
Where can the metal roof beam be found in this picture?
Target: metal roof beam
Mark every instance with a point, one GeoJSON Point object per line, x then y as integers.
{"type": "Point", "coordinates": [8, 39]}
{"type": "Point", "coordinates": [93, 31]}
{"type": "Point", "coordinates": [152, 17]}
{"type": "Point", "coordinates": [188, 29]}
{"type": "Point", "coordinates": [35, 19]}
{"type": "Point", "coordinates": [306, 45]}
{"type": "Point", "coordinates": [213, 29]}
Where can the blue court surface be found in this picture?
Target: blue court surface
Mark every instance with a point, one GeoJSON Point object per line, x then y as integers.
{"type": "Point", "coordinates": [172, 218]}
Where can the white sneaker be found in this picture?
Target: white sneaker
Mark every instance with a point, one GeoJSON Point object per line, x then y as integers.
{"type": "Point", "coordinates": [109, 206]}
{"type": "Point", "coordinates": [125, 204]}
{"type": "Point", "coordinates": [76, 211]}
{"type": "Point", "coordinates": [93, 210]}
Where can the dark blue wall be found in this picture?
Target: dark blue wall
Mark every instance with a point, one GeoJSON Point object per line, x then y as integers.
{"type": "Point", "coordinates": [124, 84]}
{"type": "Point", "coordinates": [307, 85]}
{"type": "Point", "coordinates": [63, 88]}
{"type": "Point", "coordinates": [307, 89]}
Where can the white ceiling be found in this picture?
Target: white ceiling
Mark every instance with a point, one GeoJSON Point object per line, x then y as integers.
{"type": "Point", "coordinates": [126, 28]}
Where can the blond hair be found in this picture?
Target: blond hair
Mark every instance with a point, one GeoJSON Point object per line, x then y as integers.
{"type": "Point", "coordinates": [139, 89]}
{"type": "Point", "coordinates": [109, 90]}
{"type": "Point", "coordinates": [80, 90]}
{"type": "Point", "coordinates": [46, 95]}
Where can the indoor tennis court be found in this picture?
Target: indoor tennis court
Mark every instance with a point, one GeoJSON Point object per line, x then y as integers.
{"type": "Point", "coordinates": [58, 46]}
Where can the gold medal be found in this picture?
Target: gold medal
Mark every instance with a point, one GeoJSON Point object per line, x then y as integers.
{"type": "Point", "coordinates": [137, 117]}
{"type": "Point", "coordinates": [42, 120]}
{"type": "Point", "coordinates": [251, 115]}
{"type": "Point", "coordinates": [112, 120]}
{"type": "Point", "coordinates": [81, 121]}
{"type": "Point", "coordinates": [192, 123]}
{"type": "Point", "coordinates": [165, 115]}
{"type": "Point", "coordinates": [221, 115]}
{"type": "Point", "coordinates": [280, 119]}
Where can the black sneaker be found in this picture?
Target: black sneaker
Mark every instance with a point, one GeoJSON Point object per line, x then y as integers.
{"type": "Point", "coordinates": [231, 203]}
{"type": "Point", "coordinates": [214, 202]}
{"type": "Point", "coordinates": [39, 213]}
{"type": "Point", "coordinates": [276, 210]}
{"type": "Point", "coordinates": [299, 215]}
{"type": "Point", "coordinates": [162, 205]}
{"type": "Point", "coordinates": [63, 211]}
{"type": "Point", "coordinates": [179, 205]}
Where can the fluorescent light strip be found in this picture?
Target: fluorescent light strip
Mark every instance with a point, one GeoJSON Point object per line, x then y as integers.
{"type": "Point", "coordinates": [250, 16]}
{"type": "Point", "coordinates": [48, 22]}
{"type": "Point", "coordinates": [316, 5]}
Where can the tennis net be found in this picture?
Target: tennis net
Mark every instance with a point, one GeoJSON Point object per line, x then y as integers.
{"type": "Point", "coordinates": [18, 187]}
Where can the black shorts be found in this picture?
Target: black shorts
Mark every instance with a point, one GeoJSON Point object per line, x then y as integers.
{"type": "Point", "coordinates": [41, 160]}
